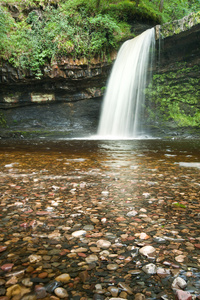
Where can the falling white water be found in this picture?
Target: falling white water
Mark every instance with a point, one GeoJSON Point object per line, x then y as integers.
{"type": "Point", "coordinates": [124, 99]}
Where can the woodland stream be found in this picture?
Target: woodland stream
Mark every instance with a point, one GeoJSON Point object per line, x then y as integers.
{"type": "Point", "coordinates": [94, 219]}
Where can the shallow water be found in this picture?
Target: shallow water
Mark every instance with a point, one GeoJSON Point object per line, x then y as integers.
{"type": "Point", "coordinates": [62, 186]}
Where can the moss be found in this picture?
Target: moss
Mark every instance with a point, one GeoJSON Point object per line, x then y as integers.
{"type": "Point", "coordinates": [173, 97]}
{"type": "Point", "coordinates": [3, 121]}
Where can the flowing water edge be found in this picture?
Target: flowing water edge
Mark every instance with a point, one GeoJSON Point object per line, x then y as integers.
{"type": "Point", "coordinates": [99, 219]}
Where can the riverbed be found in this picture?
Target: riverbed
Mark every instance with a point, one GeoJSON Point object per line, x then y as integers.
{"type": "Point", "coordinates": [100, 219]}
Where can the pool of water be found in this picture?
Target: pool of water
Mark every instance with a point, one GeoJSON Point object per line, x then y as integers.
{"type": "Point", "coordinates": [128, 192]}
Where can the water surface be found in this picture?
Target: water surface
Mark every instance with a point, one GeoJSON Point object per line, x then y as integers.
{"type": "Point", "coordinates": [50, 189]}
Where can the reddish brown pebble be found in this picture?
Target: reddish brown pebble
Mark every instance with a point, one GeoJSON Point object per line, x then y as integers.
{"type": "Point", "coordinates": [2, 248]}
{"type": "Point", "coordinates": [182, 295]}
{"type": "Point", "coordinates": [82, 254]}
{"type": "Point", "coordinates": [7, 267]}
{"type": "Point", "coordinates": [43, 275]}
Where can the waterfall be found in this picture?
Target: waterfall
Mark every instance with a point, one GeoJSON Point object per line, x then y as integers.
{"type": "Point", "coordinates": [123, 102]}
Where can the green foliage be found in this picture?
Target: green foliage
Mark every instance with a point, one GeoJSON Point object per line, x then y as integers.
{"type": "Point", "coordinates": [34, 33]}
{"type": "Point", "coordinates": [177, 204]}
{"type": "Point", "coordinates": [176, 96]}
{"type": "Point", "coordinates": [177, 9]}
{"type": "Point", "coordinates": [127, 11]}
{"type": "Point", "coordinates": [3, 122]}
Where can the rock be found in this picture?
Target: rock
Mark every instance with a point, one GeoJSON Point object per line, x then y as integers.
{"type": "Point", "coordinates": [118, 298]}
{"type": "Point", "coordinates": [65, 278]}
{"type": "Point", "coordinates": [139, 296]}
{"type": "Point", "coordinates": [12, 280]}
{"type": "Point", "coordinates": [79, 233]}
{"type": "Point", "coordinates": [2, 281]}
{"type": "Point", "coordinates": [179, 283]}
{"type": "Point", "coordinates": [150, 269]}
{"type": "Point", "coordinates": [33, 258]}
{"type": "Point", "coordinates": [113, 290]}
{"type": "Point", "coordinates": [7, 267]}
{"type": "Point", "coordinates": [180, 258]}
{"type": "Point", "coordinates": [132, 213]}
{"type": "Point", "coordinates": [125, 287]}
{"type": "Point", "coordinates": [61, 292]}
{"type": "Point", "coordinates": [94, 220]}
{"type": "Point", "coordinates": [88, 227]}
{"type": "Point", "coordinates": [16, 290]}
{"type": "Point", "coordinates": [79, 250]}
{"type": "Point", "coordinates": [112, 267]}
{"type": "Point", "coordinates": [51, 286]}
{"type": "Point", "coordinates": [104, 244]}
{"type": "Point", "coordinates": [29, 297]}
{"type": "Point", "coordinates": [159, 240]}
{"type": "Point", "coordinates": [3, 248]}
{"type": "Point", "coordinates": [98, 297]}
{"type": "Point", "coordinates": [143, 236]}
{"type": "Point", "coordinates": [95, 249]}
{"type": "Point", "coordinates": [147, 250]}
{"type": "Point", "coordinates": [183, 295]}
{"type": "Point", "coordinates": [84, 276]}
{"type": "Point", "coordinates": [162, 273]}
{"type": "Point", "coordinates": [27, 282]}
{"type": "Point", "coordinates": [2, 291]}
{"type": "Point", "coordinates": [91, 258]}
{"type": "Point", "coordinates": [40, 291]}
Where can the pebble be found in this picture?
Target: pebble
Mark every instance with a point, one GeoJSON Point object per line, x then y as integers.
{"type": "Point", "coordinates": [40, 291]}
{"type": "Point", "coordinates": [7, 267]}
{"type": "Point", "coordinates": [139, 296]}
{"type": "Point", "coordinates": [113, 290]}
{"type": "Point", "coordinates": [159, 240]}
{"type": "Point", "coordinates": [79, 233]}
{"type": "Point", "coordinates": [65, 278]}
{"type": "Point", "coordinates": [162, 273]}
{"type": "Point", "coordinates": [33, 258]}
{"type": "Point", "coordinates": [27, 282]}
{"type": "Point", "coordinates": [150, 269]}
{"type": "Point", "coordinates": [103, 244]}
{"type": "Point", "coordinates": [12, 280]}
{"type": "Point", "coordinates": [112, 267]}
{"type": "Point", "coordinates": [16, 289]}
{"type": "Point", "coordinates": [61, 292]}
{"type": "Point", "coordinates": [88, 227]}
{"type": "Point", "coordinates": [132, 213]}
{"type": "Point", "coordinates": [125, 287]}
{"type": "Point", "coordinates": [180, 258]}
{"type": "Point", "coordinates": [179, 283]}
{"type": "Point", "coordinates": [147, 250]}
{"type": "Point", "coordinates": [51, 286]}
{"type": "Point", "coordinates": [183, 295]}
{"type": "Point", "coordinates": [91, 258]}
{"type": "Point", "coordinates": [3, 248]}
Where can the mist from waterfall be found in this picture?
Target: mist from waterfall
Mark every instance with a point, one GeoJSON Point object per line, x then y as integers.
{"type": "Point", "coordinates": [124, 99]}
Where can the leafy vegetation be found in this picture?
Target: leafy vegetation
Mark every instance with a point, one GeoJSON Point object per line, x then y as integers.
{"type": "Point", "coordinates": [34, 33]}
{"type": "Point", "coordinates": [174, 97]}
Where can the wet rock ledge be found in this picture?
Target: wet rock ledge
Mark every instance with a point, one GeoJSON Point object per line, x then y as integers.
{"type": "Point", "coordinates": [67, 80]}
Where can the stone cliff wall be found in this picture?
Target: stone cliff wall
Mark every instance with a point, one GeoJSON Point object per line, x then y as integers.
{"type": "Point", "coordinates": [173, 99]}
{"type": "Point", "coordinates": [65, 81]}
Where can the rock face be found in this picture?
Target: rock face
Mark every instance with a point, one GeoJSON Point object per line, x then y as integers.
{"type": "Point", "coordinates": [66, 99]}
{"type": "Point", "coordinates": [68, 81]}
{"type": "Point", "coordinates": [173, 98]}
